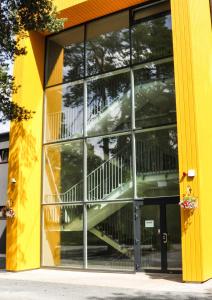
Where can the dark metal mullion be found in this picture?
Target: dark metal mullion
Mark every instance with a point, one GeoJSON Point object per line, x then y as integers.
{"type": "Point", "coordinates": [137, 235]}
{"type": "Point", "coordinates": [136, 206]}
{"type": "Point", "coordinates": [162, 231]}
{"type": "Point", "coordinates": [85, 190]}
{"type": "Point", "coordinates": [147, 4]}
{"type": "Point", "coordinates": [130, 35]}
{"type": "Point", "coordinates": [152, 17]}
{"type": "Point", "coordinates": [85, 57]}
{"type": "Point", "coordinates": [158, 200]}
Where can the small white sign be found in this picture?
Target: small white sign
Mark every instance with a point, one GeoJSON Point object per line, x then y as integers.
{"type": "Point", "coordinates": [149, 223]}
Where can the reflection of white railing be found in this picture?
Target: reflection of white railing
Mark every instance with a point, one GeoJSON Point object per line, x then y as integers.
{"type": "Point", "coordinates": [112, 174]}
{"type": "Point", "coordinates": [101, 182]}
{"type": "Point", "coordinates": [151, 159]}
{"type": "Point", "coordinates": [69, 122]}
{"type": "Point", "coordinates": [104, 179]}
{"type": "Point", "coordinates": [65, 124]}
{"type": "Point", "coordinates": [95, 108]}
{"type": "Point", "coordinates": [73, 194]}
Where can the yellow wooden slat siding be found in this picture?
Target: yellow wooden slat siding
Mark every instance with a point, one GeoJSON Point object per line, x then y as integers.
{"type": "Point", "coordinates": [23, 233]}
{"type": "Point", "coordinates": [192, 58]}
{"type": "Point", "coordinates": [63, 4]}
{"type": "Point", "coordinates": [79, 11]}
{"type": "Point", "coordinates": [201, 44]}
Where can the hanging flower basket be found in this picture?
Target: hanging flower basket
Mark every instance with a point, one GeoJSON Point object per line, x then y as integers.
{"type": "Point", "coordinates": [7, 212]}
{"type": "Point", "coordinates": [188, 202]}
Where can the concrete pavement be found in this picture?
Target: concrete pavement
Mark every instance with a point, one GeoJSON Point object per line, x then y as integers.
{"type": "Point", "coordinates": [57, 284]}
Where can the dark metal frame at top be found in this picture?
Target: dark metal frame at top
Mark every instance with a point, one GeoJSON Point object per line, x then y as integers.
{"type": "Point", "coordinates": [132, 22]}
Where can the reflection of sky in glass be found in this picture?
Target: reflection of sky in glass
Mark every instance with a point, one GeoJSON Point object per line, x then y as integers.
{"type": "Point", "coordinates": [169, 22]}
{"type": "Point", "coordinates": [4, 127]}
{"type": "Point", "coordinates": [113, 144]}
{"type": "Point", "coordinates": [98, 146]}
{"type": "Point", "coordinates": [73, 111]}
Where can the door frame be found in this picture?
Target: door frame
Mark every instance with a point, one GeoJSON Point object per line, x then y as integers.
{"type": "Point", "coordinates": [161, 202]}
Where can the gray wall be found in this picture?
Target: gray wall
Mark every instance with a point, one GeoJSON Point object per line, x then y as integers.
{"type": "Point", "coordinates": [3, 175]}
{"type": "Point", "coordinates": [4, 143]}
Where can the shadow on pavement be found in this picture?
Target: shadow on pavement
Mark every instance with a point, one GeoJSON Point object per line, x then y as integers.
{"type": "Point", "coordinates": [156, 296]}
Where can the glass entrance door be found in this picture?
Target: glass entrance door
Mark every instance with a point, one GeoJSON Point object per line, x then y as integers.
{"type": "Point", "coordinates": [157, 235]}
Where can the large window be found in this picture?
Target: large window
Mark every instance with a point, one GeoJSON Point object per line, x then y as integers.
{"type": "Point", "coordinates": [110, 135]}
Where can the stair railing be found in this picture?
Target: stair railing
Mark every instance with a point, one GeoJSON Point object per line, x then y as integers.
{"type": "Point", "coordinates": [106, 178]}
{"type": "Point", "coordinates": [64, 124]}
{"type": "Point", "coordinates": [115, 171]}
{"type": "Point", "coordinates": [153, 160]}
{"type": "Point", "coordinates": [101, 181]}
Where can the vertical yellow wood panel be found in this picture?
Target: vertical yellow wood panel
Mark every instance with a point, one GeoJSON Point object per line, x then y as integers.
{"type": "Point", "coordinates": [187, 136]}
{"type": "Point", "coordinates": [193, 64]}
{"type": "Point", "coordinates": [23, 233]}
{"type": "Point", "coordinates": [201, 45]}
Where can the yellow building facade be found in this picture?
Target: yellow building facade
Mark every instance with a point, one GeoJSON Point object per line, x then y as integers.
{"type": "Point", "coordinates": [116, 141]}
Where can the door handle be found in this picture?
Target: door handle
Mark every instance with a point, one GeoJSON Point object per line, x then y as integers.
{"type": "Point", "coordinates": [164, 237]}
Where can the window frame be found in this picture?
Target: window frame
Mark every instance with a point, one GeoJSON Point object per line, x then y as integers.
{"type": "Point", "coordinates": [7, 151]}
{"type": "Point", "coordinates": [132, 23]}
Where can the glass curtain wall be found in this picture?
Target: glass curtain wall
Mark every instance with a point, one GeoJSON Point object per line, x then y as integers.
{"type": "Point", "coordinates": [110, 135]}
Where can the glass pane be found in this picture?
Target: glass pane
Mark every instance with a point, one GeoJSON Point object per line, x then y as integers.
{"type": "Point", "coordinates": [152, 39]}
{"type": "Point", "coordinates": [109, 104]}
{"type": "Point", "coordinates": [65, 56]}
{"type": "Point", "coordinates": [64, 112]}
{"type": "Point", "coordinates": [157, 163]}
{"type": "Point", "coordinates": [110, 236]}
{"type": "Point", "coordinates": [62, 236]}
{"type": "Point", "coordinates": [155, 95]}
{"type": "Point", "coordinates": [108, 46]}
{"type": "Point", "coordinates": [63, 172]}
{"type": "Point", "coordinates": [150, 237]}
{"type": "Point", "coordinates": [147, 12]}
{"type": "Point", "coordinates": [174, 255]}
{"type": "Point", "coordinates": [109, 168]}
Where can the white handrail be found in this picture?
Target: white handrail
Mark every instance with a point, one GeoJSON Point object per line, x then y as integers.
{"type": "Point", "coordinates": [114, 172]}
{"type": "Point", "coordinates": [64, 124]}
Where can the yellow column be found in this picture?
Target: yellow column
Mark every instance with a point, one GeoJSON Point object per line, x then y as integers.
{"type": "Point", "coordinates": [52, 164]}
{"type": "Point", "coordinates": [23, 233]}
{"type": "Point", "coordinates": [192, 40]}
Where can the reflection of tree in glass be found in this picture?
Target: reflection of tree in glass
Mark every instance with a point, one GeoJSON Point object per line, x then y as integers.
{"type": "Point", "coordinates": [71, 165]}
{"type": "Point", "coordinates": [101, 150]}
{"type": "Point", "coordinates": [73, 96]}
{"type": "Point", "coordinates": [72, 123]}
{"type": "Point", "coordinates": [73, 62]}
{"type": "Point", "coordinates": [108, 51]}
{"type": "Point", "coordinates": [157, 151]}
{"type": "Point", "coordinates": [119, 227]}
{"type": "Point", "coordinates": [152, 39]}
{"type": "Point", "coordinates": [155, 96]}
{"type": "Point", "coordinates": [109, 100]}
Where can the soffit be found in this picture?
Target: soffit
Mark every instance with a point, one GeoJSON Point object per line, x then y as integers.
{"type": "Point", "coordinates": [80, 11]}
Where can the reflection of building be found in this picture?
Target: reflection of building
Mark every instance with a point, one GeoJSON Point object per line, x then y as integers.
{"type": "Point", "coordinates": [127, 95]}
{"type": "Point", "coordinates": [4, 151]}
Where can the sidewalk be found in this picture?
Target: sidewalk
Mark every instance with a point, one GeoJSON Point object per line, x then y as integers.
{"type": "Point", "coordinates": [58, 284]}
